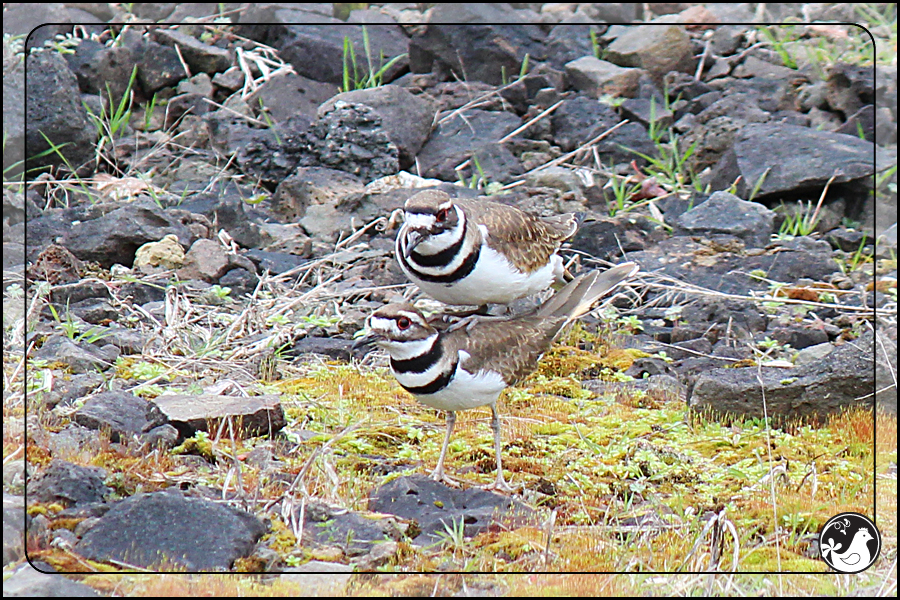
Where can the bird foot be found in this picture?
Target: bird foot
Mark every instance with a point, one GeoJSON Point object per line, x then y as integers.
{"type": "Point", "coordinates": [441, 478]}
{"type": "Point", "coordinates": [500, 486]}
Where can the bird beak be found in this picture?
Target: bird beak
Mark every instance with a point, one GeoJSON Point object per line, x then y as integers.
{"type": "Point", "coordinates": [414, 238]}
{"type": "Point", "coordinates": [365, 344]}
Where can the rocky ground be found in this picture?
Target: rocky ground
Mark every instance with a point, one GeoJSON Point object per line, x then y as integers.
{"type": "Point", "coordinates": [208, 218]}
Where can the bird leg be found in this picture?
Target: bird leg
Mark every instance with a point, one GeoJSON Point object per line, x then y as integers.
{"type": "Point", "coordinates": [499, 484]}
{"type": "Point", "coordinates": [438, 473]}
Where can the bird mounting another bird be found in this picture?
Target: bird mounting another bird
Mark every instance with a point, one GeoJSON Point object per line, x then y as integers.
{"type": "Point", "coordinates": [476, 252]}
{"type": "Point", "coordinates": [469, 364]}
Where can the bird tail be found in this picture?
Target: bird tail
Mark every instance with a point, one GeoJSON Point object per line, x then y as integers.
{"type": "Point", "coordinates": [577, 297]}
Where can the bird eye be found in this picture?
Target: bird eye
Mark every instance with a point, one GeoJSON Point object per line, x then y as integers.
{"type": "Point", "coordinates": [403, 323]}
{"type": "Point", "coordinates": [442, 215]}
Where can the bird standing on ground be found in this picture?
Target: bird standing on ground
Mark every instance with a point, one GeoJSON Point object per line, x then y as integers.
{"type": "Point", "coordinates": [470, 363]}
{"type": "Point", "coordinates": [472, 252]}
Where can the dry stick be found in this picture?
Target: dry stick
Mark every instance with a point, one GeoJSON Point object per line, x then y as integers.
{"type": "Point", "coordinates": [821, 199]}
{"type": "Point", "coordinates": [565, 157]}
{"type": "Point", "coordinates": [515, 132]}
{"type": "Point", "coordinates": [231, 110]}
{"type": "Point", "coordinates": [702, 61]}
{"type": "Point", "coordinates": [475, 102]}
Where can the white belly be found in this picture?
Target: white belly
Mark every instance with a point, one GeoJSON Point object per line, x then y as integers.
{"type": "Point", "coordinates": [493, 280]}
{"type": "Point", "coordinates": [465, 390]}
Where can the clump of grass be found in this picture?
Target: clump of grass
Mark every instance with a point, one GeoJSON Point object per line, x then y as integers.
{"type": "Point", "coordinates": [353, 77]}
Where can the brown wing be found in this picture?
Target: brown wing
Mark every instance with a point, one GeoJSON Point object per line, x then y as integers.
{"type": "Point", "coordinates": [512, 348]}
{"type": "Point", "coordinates": [527, 240]}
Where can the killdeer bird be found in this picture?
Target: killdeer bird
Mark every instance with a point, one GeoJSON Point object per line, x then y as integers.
{"type": "Point", "coordinates": [478, 252]}
{"type": "Point", "coordinates": [469, 364]}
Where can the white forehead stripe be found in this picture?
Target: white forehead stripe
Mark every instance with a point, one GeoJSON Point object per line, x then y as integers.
{"type": "Point", "coordinates": [416, 221]}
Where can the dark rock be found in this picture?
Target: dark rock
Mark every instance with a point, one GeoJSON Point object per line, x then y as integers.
{"type": "Point", "coordinates": [69, 484]}
{"type": "Point", "coordinates": [656, 49]}
{"type": "Point", "coordinates": [287, 94]}
{"type": "Point", "coordinates": [353, 532]}
{"type": "Point", "coordinates": [166, 529]}
{"type": "Point", "coordinates": [317, 52]}
{"type": "Point", "coordinates": [336, 348]}
{"type": "Point", "coordinates": [606, 239]}
{"type": "Point", "coordinates": [728, 214]}
{"type": "Point", "coordinates": [434, 506]}
{"type": "Point", "coordinates": [159, 67]}
{"type": "Point", "coordinates": [862, 123]}
{"type": "Point", "coordinates": [624, 144]}
{"type": "Point", "coordinates": [570, 40]}
{"type": "Point", "coordinates": [122, 414]}
{"type": "Point", "coordinates": [240, 280]}
{"type": "Point", "coordinates": [114, 237]}
{"type": "Point", "coordinates": [579, 120]}
{"type": "Point", "coordinates": [406, 118]}
{"type": "Point", "coordinates": [351, 138]}
{"type": "Point", "coordinates": [647, 112]}
{"type": "Point", "coordinates": [78, 357]}
{"type": "Point", "coordinates": [480, 45]}
{"type": "Point", "coordinates": [735, 317]}
{"type": "Point", "coordinates": [93, 310]}
{"type": "Point", "coordinates": [843, 378]}
{"type": "Point", "coordinates": [456, 140]}
{"type": "Point", "coordinates": [310, 186]}
{"type": "Point", "coordinates": [164, 436]}
{"type": "Point", "coordinates": [688, 348]}
{"type": "Point", "coordinates": [798, 336]}
{"type": "Point", "coordinates": [275, 263]}
{"type": "Point", "coordinates": [795, 159]}
{"type": "Point", "coordinates": [68, 390]}
{"type": "Point", "coordinates": [56, 265]}
{"type": "Point", "coordinates": [227, 209]}
{"type": "Point", "coordinates": [54, 110]}
{"type": "Point", "coordinates": [252, 415]}
{"type": "Point", "coordinates": [128, 341]}
{"type": "Point", "coordinates": [141, 293]}
{"type": "Point", "coordinates": [850, 87]}
{"type": "Point", "coordinates": [886, 368]}
{"type": "Point", "coordinates": [13, 119]}
{"type": "Point", "coordinates": [200, 57]}
{"type": "Point", "coordinates": [849, 240]}
{"type": "Point", "coordinates": [647, 367]}
{"type": "Point", "coordinates": [496, 162]}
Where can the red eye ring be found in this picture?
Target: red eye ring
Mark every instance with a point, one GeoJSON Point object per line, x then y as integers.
{"type": "Point", "coordinates": [443, 214]}
{"type": "Point", "coordinates": [403, 323]}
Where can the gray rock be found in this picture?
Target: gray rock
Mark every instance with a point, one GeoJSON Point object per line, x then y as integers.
{"type": "Point", "coordinates": [843, 378]}
{"type": "Point", "coordinates": [251, 415]}
{"type": "Point", "coordinates": [456, 140]}
{"type": "Point", "coordinates": [159, 67]}
{"type": "Point", "coordinates": [336, 348]}
{"type": "Point", "coordinates": [54, 110]}
{"type": "Point", "coordinates": [78, 357]}
{"type": "Point", "coordinates": [287, 94]}
{"type": "Point", "coordinates": [477, 42]}
{"type": "Point", "coordinates": [598, 77]}
{"type": "Point", "coordinates": [70, 484]}
{"type": "Point", "coordinates": [121, 413]}
{"type": "Point", "coordinates": [796, 158]}
{"type": "Point", "coordinates": [116, 236]}
{"type": "Point", "coordinates": [73, 388]}
{"type": "Point", "coordinates": [813, 354]}
{"type": "Point", "coordinates": [314, 186]}
{"type": "Point", "coordinates": [656, 49]}
{"type": "Point", "coordinates": [13, 530]}
{"type": "Point", "coordinates": [200, 57]}
{"type": "Point", "coordinates": [433, 506]}
{"type": "Point", "coordinates": [726, 213]}
{"type": "Point", "coordinates": [886, 368]}
{"type": "Point", "coordinates": [355, 533]}
{"type": "Point", "coordinates": [27, 582]}
{"type": "Point", "coordinates": [168, 529]}
{"type": "Point", "coordinates": [406, 118]}
{"type": "Point", "coordinates": [352, 138]}
{"type": "Point", "coordinates": [208, 260]}
{"type": "Point", "coordinates": [579, 120]}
